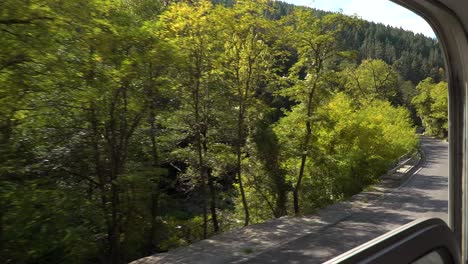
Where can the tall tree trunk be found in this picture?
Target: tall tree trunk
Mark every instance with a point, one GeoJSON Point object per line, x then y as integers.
{"type": "Point", "coordinates": [5, 136]}
{"type": "Point", "coordinates": [153, 245]}
{"type": "Point", "coordinates": [115, 207]}
{"type": "Point", "coordinates": [154, 235]}
{"type": "Point", "coordinates": [301, 172]}
{"type": "Point", "coordinates": [115, 231]}
{"type": "Point", "coordinates": [102, 181]}
{"type": "Point", "coordinates": [304, 147]}
{"type": "Point", "coordinates": [240, 136]}
{"type": "Point", "coordinates": [118, 133]}
{"type": "Point", "coordinates": [201, 163]}
{"type": "Point", "coordinates": [211, 187]}
{"type": "Point", "coordinates": [102, 178]}
{"type": "Point", "coordinates": [281, 193]}
{"type": "Point", "coordinates": [115, 151]}
{"type": "Point", "coordinates": [153, 239]}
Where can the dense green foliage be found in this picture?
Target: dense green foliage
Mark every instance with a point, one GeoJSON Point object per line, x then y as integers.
{"type": "Point", "coordinates": [133, 127]}
{"type": "Point", "coordinates": [431, 103]}
{"type": "Point", "coordinates": [414, 56]}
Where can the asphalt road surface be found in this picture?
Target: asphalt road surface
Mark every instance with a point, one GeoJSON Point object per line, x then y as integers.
{"type": "Point", "coordinates": [424, 194]}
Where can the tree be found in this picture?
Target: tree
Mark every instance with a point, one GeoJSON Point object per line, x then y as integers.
{"type": "Point", "coordinates": [133, 127]}
{"type": "Point", "coordinates": [373, 79]}
{"type": "Point", "coordinates": [268, 151]}
{"type": "Point", "coordinates": [26, 60]}
{"type": "Point", "coordinates": [86, 119]}
{"type": "Point", "coordinates": [245, 64]}
{"type": "Point", "coordinates": [316, 44]}
{"type": "Point", "coordinates": [359, 142]}
{"type": "Point", "coordinates": [431, 104]}
{"type": "Point", "coordinates": [190, 27]}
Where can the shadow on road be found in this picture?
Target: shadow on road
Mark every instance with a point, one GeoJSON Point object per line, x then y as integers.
{"type": "Point", "coordinates": [425, 195]}
{"type": "Point", "coordinates": [370, 222]}
{"type": "Point", "coordinates": [435, 150]}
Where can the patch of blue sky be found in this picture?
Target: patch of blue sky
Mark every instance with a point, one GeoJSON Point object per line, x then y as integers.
{"type": "Point", "coordinates": [380, 11]}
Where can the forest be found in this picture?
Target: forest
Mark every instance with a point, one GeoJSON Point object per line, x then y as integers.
{"type": "Point", "coordinates": [132, 127]}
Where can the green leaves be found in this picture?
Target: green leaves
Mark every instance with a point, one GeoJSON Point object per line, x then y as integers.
{"type": "Point", "coordinates": [353, 146]}
{"type": "Point", "coordinates": [372, 79]}
{"type": "Point", "coordinates": [132, 127]}
{"type": "Point", "coordinates": [432, 106]}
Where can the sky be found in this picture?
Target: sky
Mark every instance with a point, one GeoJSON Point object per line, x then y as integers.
{"type": "Point", "coordinates": [380, 11]}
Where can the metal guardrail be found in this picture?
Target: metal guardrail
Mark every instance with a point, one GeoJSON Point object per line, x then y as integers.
{"type": "Point", "coordinates": [402, 161]}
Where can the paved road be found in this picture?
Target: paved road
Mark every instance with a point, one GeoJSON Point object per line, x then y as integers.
{"type": "Point", "coordinates": [423, 195]}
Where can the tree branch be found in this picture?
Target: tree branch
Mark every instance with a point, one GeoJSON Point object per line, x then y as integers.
{"type": "Point", "coordinates": [15, 21]}
{"type": "Point", "coordinates": [18, 59]}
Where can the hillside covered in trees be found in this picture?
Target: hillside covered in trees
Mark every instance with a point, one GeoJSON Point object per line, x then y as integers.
{"type": "Point", "coordinates": [132, 127]}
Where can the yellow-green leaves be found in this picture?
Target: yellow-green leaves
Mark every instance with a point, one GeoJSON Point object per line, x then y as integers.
{"type": "Point", "coordinates": [372, 79]}
{"type": "Point", "coordinates": [432, 106]}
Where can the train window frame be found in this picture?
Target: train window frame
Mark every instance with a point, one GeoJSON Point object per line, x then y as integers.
{"type": "Point", "coordinates": [421, 241]}
{"type": "Point", "coordinates": [451, 27]}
